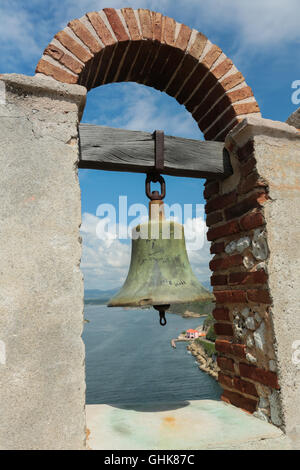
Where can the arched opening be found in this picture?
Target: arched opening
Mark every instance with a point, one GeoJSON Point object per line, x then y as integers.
{"type": "Point", "coordinates": [149, 48]}
{"type": "Point", "coordinates": [129, 358]}
{"type": "Point", "coordinates": [43, 302]}
{"type": "Point", "coordinates": [145, 47]}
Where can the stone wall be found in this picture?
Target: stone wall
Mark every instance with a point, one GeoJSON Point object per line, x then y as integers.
{"type": "Point", "coordinates": [42, 379]}
{"type": "Point", "coordinates": [253, 219]}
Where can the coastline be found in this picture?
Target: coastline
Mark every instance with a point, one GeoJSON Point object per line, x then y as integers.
{"type": "Point", "coordinates": [207, 363]}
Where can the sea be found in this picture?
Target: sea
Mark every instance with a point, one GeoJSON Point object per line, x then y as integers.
{"type": "Point", "coordinates": [130, 360]}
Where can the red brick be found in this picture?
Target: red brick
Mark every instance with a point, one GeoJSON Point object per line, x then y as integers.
{"type": "Point", "coordinates": [238, 350]}
{"type": "Point", "coordinates": [210, 117]}
{"type": "Point", "coordinates": [220, 125]}
{"type": "Point", "coordinates": [253, 220]}
{"type": "Point", "coordinates": [183, 37]}
{"type": "Point", "coordinates": [225, 363]}
{"type": "Point", "coordinates": [252, 181]}
{"type": "Point", "coordinates": [246, 151]}
{"type": "Point", "coordinates": [120, 50]}
{"type": "Point", "coordinates": [239, 400]}
{"type": "Point", "coordinates": [59, 74]}
{"type": "Point", "coordinates": [222, 136]}
{"type": "Point", "coordinates": [170, 67]}
{"type": "Point", "coordinates": [244, 387]}
{"type": "Point", "coordinates": [214, 218]}
{"type": "Point", "coordinates": [169, 30]}
{"type": "Point", "coordinates": [265, 377]}
{"type": "Point", "coordinates": [225, 380]}
{"type": "Point", "coordinates": [139, 73]}
{"type": "Point", "coordinates": [204, 89]}
{"type": "Point", "coordinates": [260, 296]}
{"type": "Point", "coordinates": [235, 349]}
{"type": "Point", "coordinates": [100, 28]}
{"type": "Point", "coordinates": [105, 61]}
{"type": "Point", "coordinates": [198, 46]}
{"type": "Point", "coordinates": [220, 202]}
{"type": "Point", "coordinates": [146, 23]}
{"type": "Point", "coordinates": [193, 81]}
{"type": "Point", "coordinates": [116, 24]}
{"type": "Point", "coordinates": [230, 296]}
{"type": "Point", "coordinates": [225, 263]}
{"type": "Point", "coordinates": [232, 80]}
{"type": "Point", "coordinates": [219, 280]}
{"type": "Point", "coordinates": [131, 23]}
{"type": "Point", "coordinates": [157, 19]}
{"type": "Point", "coordinates": [223, 230]}
{"type": "Point", "coordinates": [255, 277]}
{"type": "Point", "coordinates": [223, 346]}
{"type": "Point", "coordinates": [223, 329]}
{"type": "Point", "coordinates": [221, 314]}
{"type": "Point", "coordinates": [211, 188]}
{"type": "Point", "coordinates": [212, 55]}
{"type": "Point", "coordinates": [254, 201]}
{"type": "Point", "coordinates": [240, 94]}
{"type": "Point", "coordinates": [65, 59]}
{"type": "Point", "coordinates": [217, 248]}
{"type": "Point", "coordinates": [208, 102]}
{"type": "Point", "coordinates": [246, 108]}
{"type": "Point", "coordinates": [247, 167]}
{"type": "Point", "coordinates": [220, 70]}
{"type": "Point", "coordinates": [73, 46]}
{"type": "Point", "coordinates": [84, 34]}
{"type": "Point", "coordinates": [185, 68]}
{"type": "Point", "coordinates": [131, 54]}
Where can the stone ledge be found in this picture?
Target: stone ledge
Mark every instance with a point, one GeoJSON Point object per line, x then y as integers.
{"type": "Point", "coordinates": [254, 126]}
{"type": "Point", "coordinates": [42, 85]}
{"type": "Point", "coordinates": [198, 425]}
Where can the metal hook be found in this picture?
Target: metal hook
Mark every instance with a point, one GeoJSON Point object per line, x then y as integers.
{"type": "Point", "coordinates": [162, 310]}
{"type": "Point", "coordinates": [162, 318]}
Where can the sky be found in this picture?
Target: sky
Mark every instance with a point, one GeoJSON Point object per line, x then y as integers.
{"type": "Point", "coordinates": [262, 38]}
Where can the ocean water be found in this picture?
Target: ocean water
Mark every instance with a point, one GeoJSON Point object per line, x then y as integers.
{"type": "Point", "coordinates": [129, 359]}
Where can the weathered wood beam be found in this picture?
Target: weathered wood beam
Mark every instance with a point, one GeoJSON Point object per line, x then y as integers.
{"type": "Point", "coordinates": [106, 148]}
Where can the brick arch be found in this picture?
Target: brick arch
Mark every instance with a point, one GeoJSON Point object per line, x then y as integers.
{"type": "Point", "coordinates": [146, 47]}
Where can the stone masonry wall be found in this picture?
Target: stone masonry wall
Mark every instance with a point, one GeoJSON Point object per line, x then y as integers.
{"type": "Point", "coordinates": [42, 379]}
{"type": "Point", "coordinates": [240, 234]}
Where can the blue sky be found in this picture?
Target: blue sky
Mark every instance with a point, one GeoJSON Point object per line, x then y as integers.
{"type": "Point", "coordinates": [261, 37]}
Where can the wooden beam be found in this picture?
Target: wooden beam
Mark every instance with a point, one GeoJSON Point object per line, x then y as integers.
{"type": "Point", "coordinates": [106, 148]}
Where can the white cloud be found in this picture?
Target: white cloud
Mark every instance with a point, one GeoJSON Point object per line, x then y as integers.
{"type": "Point", "coordinates": [254, 26]}
{"type": "Point", "coordinates": [259, 23]}
{"type": "Point", "coordinates": [142, 109]}
{"type": "Point", "coordinates": [105, 261]}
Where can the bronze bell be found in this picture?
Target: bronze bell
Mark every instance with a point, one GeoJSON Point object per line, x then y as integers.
{"type": "Point", "coordinates": [160, 273]}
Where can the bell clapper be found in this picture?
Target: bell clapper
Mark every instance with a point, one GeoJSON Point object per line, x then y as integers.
{"type": "Point", "coordinates": [162, 310]}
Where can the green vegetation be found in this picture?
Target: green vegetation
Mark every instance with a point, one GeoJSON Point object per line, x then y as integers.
{"type": "Point", "coordinates": [211, 335]}
{"type": "Point", "coordinates": [209, 348]}
{"type": "Point", "coordinates": [208, 327]}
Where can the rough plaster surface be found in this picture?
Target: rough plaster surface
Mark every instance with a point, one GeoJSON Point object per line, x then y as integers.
{"type": "Point", "coordinates": [42, 382]}
{"type": "Point", "coordinates": [277, 151]}
{"type": "Point", "coordinates": [294, 119]}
